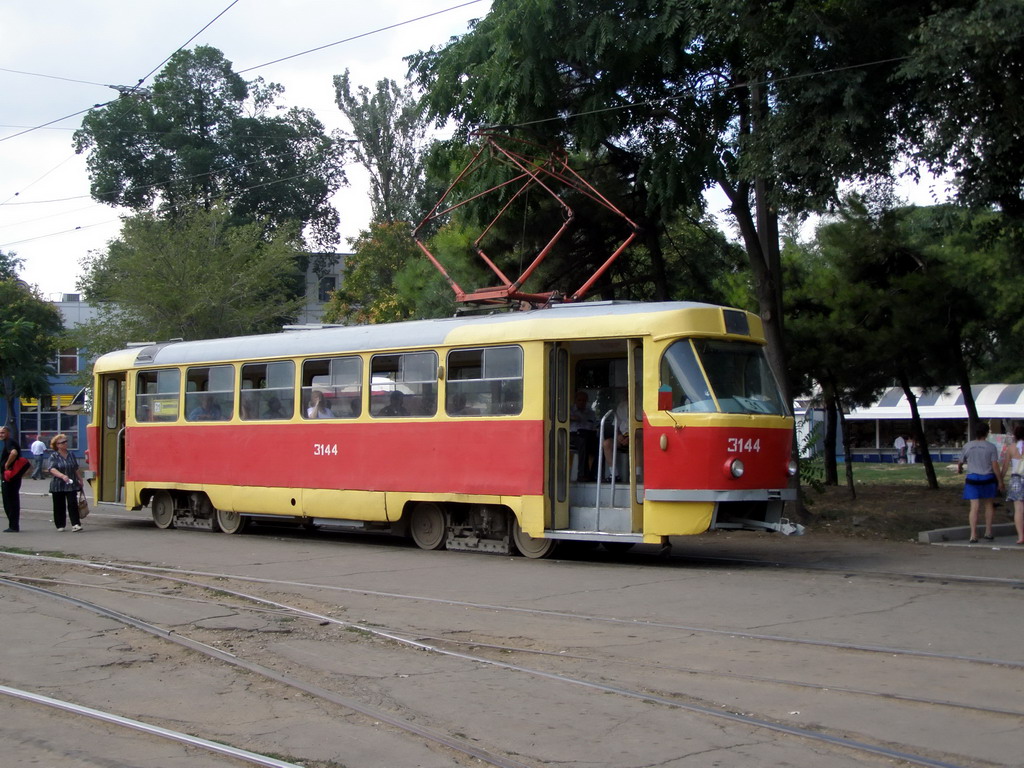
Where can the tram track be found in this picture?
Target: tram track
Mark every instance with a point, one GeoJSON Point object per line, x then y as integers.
{"type": "Point", "coordinates": [271, 674]}
{"type": "Point", "coordinates": [582, 617]}
{"type": "Point", "coordinates": [676, 701]}
{"type": "Point", "coordinates": [440, 644]}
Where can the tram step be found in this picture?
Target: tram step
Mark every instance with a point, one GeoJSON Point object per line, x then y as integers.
{"type": "Point", "coordinates": [586, 495]}
{"type": "Point", "coordinates": [603, 519]}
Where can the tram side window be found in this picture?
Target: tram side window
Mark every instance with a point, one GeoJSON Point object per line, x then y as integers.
{"type": "Point", "coordinates": [403, 385]}
{"type": "Point", "coordinates": [484, 382]}
{"type": "Point", "coordinates": [156, 395]}
{"type": "Point", "coordinates": [332, 388]}
{"type": "Point", "coordinates": [209, 393]}
{"type": "Point", "coordinates": [268, 390]}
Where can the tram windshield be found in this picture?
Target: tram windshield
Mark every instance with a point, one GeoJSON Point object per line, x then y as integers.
{"type": "Point", "coordinates": [738, 378]}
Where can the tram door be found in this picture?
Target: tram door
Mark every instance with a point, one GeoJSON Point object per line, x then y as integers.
{"type": "Point", "coordinates": [110, 460]}
{"type": "Point", "coordinates": [557, 418]}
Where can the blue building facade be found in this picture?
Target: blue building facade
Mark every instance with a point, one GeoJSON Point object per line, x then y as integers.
{"type": "Point", "coordinates": [65, 409]}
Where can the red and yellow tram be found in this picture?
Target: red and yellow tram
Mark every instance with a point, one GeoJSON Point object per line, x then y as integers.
{"type": "Point", "coordinates": [456, 431]}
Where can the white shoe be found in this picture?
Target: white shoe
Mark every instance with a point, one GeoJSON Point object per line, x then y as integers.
{"type": "Point", "coordinates": [61, 530]}
{"type": "Point", "coordinates": [76, 527]}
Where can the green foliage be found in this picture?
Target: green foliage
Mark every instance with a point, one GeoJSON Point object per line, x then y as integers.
{"type": "Point", "coordinates": [368, 292]}
{"type": "Point", "coordinates": [968, 69]}
{"type": "Point", "coordinates": [388, 129]}
{"type": "Point", "coordinates": [204, 136]}
{"type": "Point", "coordinates": [196, 277]}
{"type": "Point", "coordinates": [10, 264]}
{"type": "Point", "coordinates": [812, 463]}
{"type": "Point", "coordinates": [681, 95]}
{"type": "Point", "coordinates": [30, 334]}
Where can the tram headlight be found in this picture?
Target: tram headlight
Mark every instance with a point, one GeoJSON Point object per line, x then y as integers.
{"type": "Point", "coordinates": [734, 468]}
{"type": "Point", "coordinates": [792, 468]}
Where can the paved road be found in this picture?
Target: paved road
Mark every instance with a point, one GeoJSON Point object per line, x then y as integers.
{"type": "Point", "coordinates": [735, 589]}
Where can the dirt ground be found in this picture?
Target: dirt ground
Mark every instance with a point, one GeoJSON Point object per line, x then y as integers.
{"type": "Point", "coordinates": [889, 512]}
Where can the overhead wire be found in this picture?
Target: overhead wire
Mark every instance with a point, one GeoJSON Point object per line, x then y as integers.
{"type": "Point", "coordinates": [51, 77]}
{"type": "Point", "coordinates": [197, 34]}
{"type": "Point", "coordinates": [248, 69]}
{"type": "Point", "coordinates": [361, 35]}
{"type": "Point", "coordinates": [121, 92]}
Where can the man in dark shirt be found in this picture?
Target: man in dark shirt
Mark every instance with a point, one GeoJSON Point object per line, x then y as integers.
{"type": "Point", "coordinates": [11, 488]}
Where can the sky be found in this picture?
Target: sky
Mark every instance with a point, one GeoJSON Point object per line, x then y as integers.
{"type": "Point", "coordinates": [65, 54]}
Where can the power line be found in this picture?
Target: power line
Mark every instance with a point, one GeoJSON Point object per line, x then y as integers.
{"type": "Point", "coordinates": [197, 34]}
{"type": "Point", "coordinates": [122, 90]}
{"type": "Point", "coordinates": [55, 234]}
{"type": "Point", "coordinates": [361, 35]}
{"type": "Point", "coordinates": [51, 77]}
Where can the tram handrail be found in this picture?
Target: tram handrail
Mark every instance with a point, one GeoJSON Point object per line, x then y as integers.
{"type": "Point", "coordinates": [600, 460]}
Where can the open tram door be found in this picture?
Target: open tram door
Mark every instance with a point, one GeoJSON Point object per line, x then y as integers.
{"type": "Point", "coordinates": [110, 425]}
{"type": "Point", "coordinates": [607, 507]}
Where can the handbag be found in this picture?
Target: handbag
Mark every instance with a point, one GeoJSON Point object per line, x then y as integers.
{"type": "Point", "coordinates": [18, 468]}
{"type": "Point", "coordinates": [83, 506]}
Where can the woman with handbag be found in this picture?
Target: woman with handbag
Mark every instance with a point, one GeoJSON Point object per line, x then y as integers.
{"type": "Point", "coordinates": [65, 485]}
{"type": "Point", "coordinates": [10, 489]}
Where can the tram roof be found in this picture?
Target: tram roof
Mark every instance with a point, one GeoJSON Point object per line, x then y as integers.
{"type": "Point", "coordinates": [573, 321]}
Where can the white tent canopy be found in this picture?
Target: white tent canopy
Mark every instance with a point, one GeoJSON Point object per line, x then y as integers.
{"type": "Point", "coordinates": [994, 401]}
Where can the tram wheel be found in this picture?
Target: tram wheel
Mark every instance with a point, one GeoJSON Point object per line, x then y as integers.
{"type": "Point", "coordinates": [163, 510]}
{"type": "Point", "coordinates": [230, 522]}
{"type": "Point", "coordinates": [530, 547]}
{"type": "Point", "coordinates": [428, 526]}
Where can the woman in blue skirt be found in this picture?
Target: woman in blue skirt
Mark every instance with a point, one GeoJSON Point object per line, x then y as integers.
{"type": "Point", "coordinates": [984, 479]}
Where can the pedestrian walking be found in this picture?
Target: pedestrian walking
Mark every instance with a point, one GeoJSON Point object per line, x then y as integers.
{"type": "Point", "coordinates": [38, 449]}
{"type": "Point", "coordinates": [900, 444]}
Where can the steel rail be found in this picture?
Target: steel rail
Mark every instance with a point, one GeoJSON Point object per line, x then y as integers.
{"type": "Point", "coordinates": [153, 730]}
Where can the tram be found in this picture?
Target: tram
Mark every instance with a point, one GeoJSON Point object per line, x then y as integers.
{"type": "Point", "coordinates": [456, 432]}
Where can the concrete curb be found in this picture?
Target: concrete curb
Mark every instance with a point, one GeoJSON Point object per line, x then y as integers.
{"type": "Point", "coordinates": [962, 533]}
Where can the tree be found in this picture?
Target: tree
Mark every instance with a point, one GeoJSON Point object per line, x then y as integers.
{"type": "Point", "coordinates": [30, 334]}
{"type": "Point", "coordinates": [968, 70]}
{"type": "Point", "coordinates": [914, 307]}
{"type": "Point", "coordinates": [205, 136]}
{"type": "Point", "coordinates": [9, 266]}
{"type": "Point", "coordinates": [387, 279]}
{"type": "Point", "coordinates": [684, 94]}
{"type": "Point", "coordinates": [388, 130]}
{"type": "Point", "coordinates": [196, 277]}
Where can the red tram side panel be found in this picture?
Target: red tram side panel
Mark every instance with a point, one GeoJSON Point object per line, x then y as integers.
{"type": "Point", "coordinates": [486, 458]}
